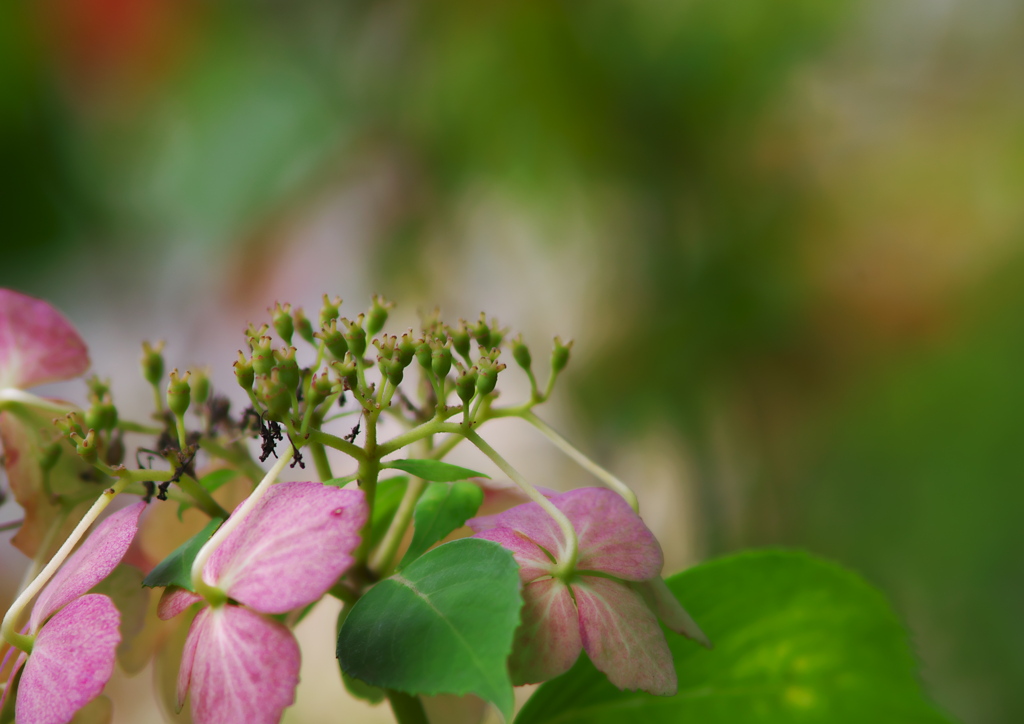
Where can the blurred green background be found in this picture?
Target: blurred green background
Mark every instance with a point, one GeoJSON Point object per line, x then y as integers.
{"type": "Point", "coordinates": [788, 238]}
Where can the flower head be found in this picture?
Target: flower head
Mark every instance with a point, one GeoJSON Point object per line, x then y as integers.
{"type": "Point", "coordinates": [240, 666]}
{"type": "Point", "coordinates": [608, 605]}
{"type": "Point", "coordinates": [76, 635]}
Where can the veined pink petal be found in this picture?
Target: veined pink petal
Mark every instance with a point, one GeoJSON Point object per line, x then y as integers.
{"type": "Point", "coordinates": [102, 550]}
{"type": "Point", "coordinates": [241, 667]}
{"type": "Point", "coordinates": [72, 660]}
{"type": "Point", "coordinates": [18, 663]}
{"type": "Point", "coordinates": [547, 642]}
{"type": "Point", "coordinates": [622, 636]}
{"type": "Point", "coordinates": [174, 600]}
{"type": "Point", "coordinates": [533, 562]}
{"type": "Point", "coordinates": [528, 519]}
{"type": "Point", "coordinates": [612, 537]}
{"type": "Point", "coordinates": [291, 548]}
{"type": "Point", "coordinates": [670, 611]}
{"type": "Point", "coordinates": [37, 344]}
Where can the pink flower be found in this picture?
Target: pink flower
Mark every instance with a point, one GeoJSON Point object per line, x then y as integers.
{"type": "Point", "coordinates": [241, 667]}
{"type": "Point", "coordinates": [37, 345]}
{"type": "Point", "coordinates": [76, 635]}
{"type": "Point", "coordinates": [609, 605]}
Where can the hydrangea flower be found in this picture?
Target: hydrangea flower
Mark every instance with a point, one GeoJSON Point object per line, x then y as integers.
{"type": "Point", "coordinates": [37, 345]}
{"type": "Point", "coordinates": [240, 666]}
{"type": "Point", "coordinates": [609, 604]}
{"type": "Point", "coordinates": [76, 635]}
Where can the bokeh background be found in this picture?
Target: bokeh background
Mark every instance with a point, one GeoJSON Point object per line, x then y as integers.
{"type": "Point", "coordinates": [787, 238]}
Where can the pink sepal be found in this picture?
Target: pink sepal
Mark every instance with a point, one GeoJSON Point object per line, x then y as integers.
{"type": "Point", "coordinates": [533, 562]}
{"type": "Point", "coordinates": [291, 548]}
{"type": "Point", "coordinates": [529, 520]}
{"type": "Point", "coordinates": [547, 642]}
{"type": "Point", "coordinates": [612, 537]}
{"type": "Point", "coordinates": [670, 611]}
{"type": "Point", "coordinates": [72, 660]}
{"type": "Point", "coordinates": [102, 550]}
{"type": "Point", "coordinates": [622, 636]}
{"type": "Point", "coordinates": [174, 600]}
{"type": "Point", "coordinates": [240, 667]}
{"type": "Point", "coordinates": [18, 663]}
{"type": "Point", "coordinates": [37, 344]}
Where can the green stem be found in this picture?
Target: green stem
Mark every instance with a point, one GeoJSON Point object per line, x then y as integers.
{"type": "Point", "coordinates": [350, 449]}
{"type": "Point", "coordinates": [203, 500]}
{"type": "Point", "coordinates": [8, 627]}
{"type": "Point", "coordinates": [11, 397]}
{"type": "Point", "coordinates": [369, 470]}
{"type": "Point", "coordinates": [323, 465]}
{"type": "Point", "coordinates": [408, 709]}
{"type": "Point", "coordinates": [384, 559]}
{"type": "Point", "coordinates": [586, 463]}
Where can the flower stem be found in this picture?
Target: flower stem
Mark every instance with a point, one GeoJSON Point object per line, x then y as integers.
{"type": "Point", "coordinates": [408, 709]}
{"type": "Point", "coordinates": [565, 446]}
{"type": "Point", "coordinates": [198, 584]}
{"type": "Point", "coordinates": [8, 627]}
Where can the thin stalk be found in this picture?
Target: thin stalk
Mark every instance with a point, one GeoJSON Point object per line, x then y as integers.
{"type": "Point", "coordinates": [9, 396]}
{"type": "Point", "coordinates": [586, 463]}
{"type": "Point", "coordinates": [407, 709]}
{"type": "Point", "coordinates": [383, 560]}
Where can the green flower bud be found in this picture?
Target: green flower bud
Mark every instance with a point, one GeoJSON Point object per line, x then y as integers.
{"type": "Point", "coordinates": [283, 323]}
{"type": "Point", "coordinates": [275, 395]}
{"type": "Point", "coordinates": [406, 349]}
{"type": "Point", "coordinates": [460, 340]}
{"type": "Point", "coordinates": [201, 386]}
{"type": "Point", "coordinates": [441, 359]}
{"type": "Point", "coordinates": [378, 315]}
{"type": "Point", "coordinates": [71, 424]}
{"type": "Point", "coordinates": [521, 353]}
{"type": "Point", "coordinates": [560, 355]}
{"type": "Point", "coordinates": [465, 385]}
{"type": "Point", "coordinates": [386, 346]}
{"type": "Point", "coordinates": [101, 416]}
{"type": "Point", "coordinates": [179, 393]}
{"type": "Point", "coordinates": [320, 389]}
{"type": "Point", "coordinates": [86, 447]}
{"type": "Point", "coordinates": [302, 325]}
{"type": "Point", "coordinates": [153, 362]}
{"type": "Point", "coordinates": [252, 332]}
{"type": "Point", "coordinates": [488, 377]}
{"type": "Point", "coordinates": [423, 355]}
{"type": "Point", "coordinates": [262, 355]}
{"type": "Point", "coordinates": [244, 372]}
{"type": "Point", "coordinates": [99, 389]}
{"type": "Point", "coordinates": [355, 335]}
{"type": "Point", "coordinates": [329, 310]}
{"type": "Point", "coordinates": [287, 368]}
{"type": "Point", "coordinates": [333, 339]}
{"type": "Point", "coordinates": [347, 371]}
{"type": "Point", "coordinates": [393, 370]}
{"type": "Point", "coordinates": [481, 332]}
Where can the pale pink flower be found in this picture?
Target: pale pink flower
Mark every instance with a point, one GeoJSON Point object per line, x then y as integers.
{"type": "Point", "coordinates": [240, 666]}
{"type": "Point", "coordinates": [76, 635]}
{"type": "Point", "coordinates": [609, 605]}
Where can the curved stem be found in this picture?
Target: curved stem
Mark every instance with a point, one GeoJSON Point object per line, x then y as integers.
{"type": "Point", "coordinates": [8, 627]}
{"type": "Point", "coordinates": [565, 446]}
{"type": "Point", "coordinates": [198, 584]}
{"type": "Point", "coordinates": [10, 396]}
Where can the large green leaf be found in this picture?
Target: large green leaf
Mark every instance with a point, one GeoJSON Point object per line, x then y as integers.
{"type": "Point", "coordinates": [796, 640]}
{"type": "Point", "coordinates": [442, 508]}
{"type": "Point", "coordinates": [442, 626]}
{"type": "Point", "coordinates": [176, 569]}
{"type": "Point", "coordinates": [434, 470]}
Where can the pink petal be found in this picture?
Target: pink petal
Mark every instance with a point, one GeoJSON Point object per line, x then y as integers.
{"type": "Point", "coordinates": [174, 600]}
{"type": "Point", "coordinates": [664, 603]}
{"type": "Point", "coordinates": [292, 547]}
{"type": "Point", "coordinates": [72, 659]}
{"type": "Point", "coordinates": [37, 344]}
{"type": "Point", "coordinates": [612, 537]}
{"type": "Point", "coordinates": [533, 562]}
{"type": "Point", "coordinates": [547, 642]}
{"type": "Point", "coordinates": [243, 668]}
{"type": "Point", "coordinates": [102, 550]}
{"type": "Point", "coordinates": [528, 520]}
{"type": "Point", "coordinates": [18, 663]}
{"type": "Point", "coordinates": [622, 636]}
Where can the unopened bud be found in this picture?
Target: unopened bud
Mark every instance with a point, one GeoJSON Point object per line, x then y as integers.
{"type": "Point", "coordinates": [378, 315]}
{"type": "Point", "coordinates": [275, 395]}
{"type": "Point", "coordinates": [153, 362]}
{"type": "Point", "coordinates": [333, 339]}
{"type": "Point", "coordinates": [521, 353]}
{"type": "Point", "coordinates": [86, 447]}
{"type": "Point", "coordinates": [406, 349]}
{"type": "Point", "coordinates": [460, 339]}
{"type": "Point", "coordinates": [347, 371]}
{"type": "Point", "coordinates": [244, 372]}
{"type": "Point", "coordinates": [281, 316]}
{"type": "Point", "coordinates": [329, 310]}
{"type": "Point", "coordinates": [262, 355]}
{"type": "Point", "coordinates": [423, 355]}
{"type": "Point", "coordinates": [287, 368]}
{"type": "Point", "coordinates": [488, 377]}
{"type": "Point", "coordinates": [355, 335]}
{"type": "Point", "coordinates": [465, 385]}
{"type": "Point", "coordinates": [441, 359]}
{"type": "Point", "coordinates": [179, 393]}
{"type": "Point", "coordinates": [302, 325]}
{"type": "Point", "coordinates": [386, 346]}
{"type": "Point", "coordinates": [101, 416]}
{"type": "Point", "coordinates": [320, 389]}
{"type": "Point", "coordinates": [392, 369]}
{"type": "Point", "coordinates": [560, 355]}
{"type": "Point", "coordinates": [71, 424]}
{"type": "Point", "coordinates": [201, 386]}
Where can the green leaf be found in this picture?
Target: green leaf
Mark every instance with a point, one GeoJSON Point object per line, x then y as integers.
{"type": "Point", "coordinates": [442, 508]}
{"type": "Point", "coordinates": [434, 470]}
{"type": "Point", "coordinates": [389, 494]}
{"type": "Point", "coordinates": [442, 626]}
{"type": "Point", "coordinates": [176, 569]}
{"type": "Point", "coordinates": [796, 639]}
{"type": "Point", "coordinates": [211, 482]}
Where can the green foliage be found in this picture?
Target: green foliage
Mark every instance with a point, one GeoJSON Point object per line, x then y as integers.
{"type": "Point", "coordinates": [442, 508]}
{"type": "Point", "coordinates": [442, 626]}
{"type": "Point", "coordinates": [211, 482]}
{"type": "Point", "coordinates": [389, 495]}
{"type": "Point", "coordinates": [796, 640]}
{"type": "Point", "coordinates": [434, 470]}
{"type": "Point", "coordinates": [176, 569]}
